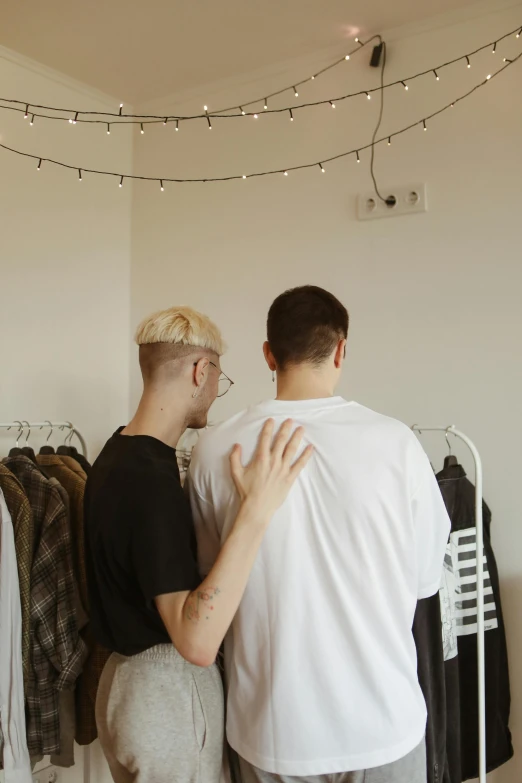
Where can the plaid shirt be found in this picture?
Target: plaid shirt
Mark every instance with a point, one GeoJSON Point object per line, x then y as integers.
{"type": "Point", "coordinates": [57, 650]}
{"type": "Point", "coordinates": [22, 517]}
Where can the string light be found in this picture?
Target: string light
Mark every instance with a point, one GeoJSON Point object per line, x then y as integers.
{"type": "Point", "coordinates": [165, 121]}
{"type": "Point", "coordinates": [39, 165]}
{"type": "Point", "coordinates": [256, 116]}
{"type": "Point", "coordinates": [291, 115]}
{"type": "Point", "coordinates": [161, 186]}
{"type": "Point", "coordinates": [332, 104]}
{"type": "Point", "coordinates": [494, 48]}
{"type": "Point", "coordinates": [467, 59]}
{"type": "Point", "coordinates": [142, 129]}
{"type": "Point", "coordinates": [488, 77]}
{"type": "Point", "coordinates": [75, 120]}
{"type": "Point", "coordinates": [209, 123]}
{"type": "Point", "coordinates": [244, 176]}
{"type": "Point", "coordinates": [243, 112]}
{"type": "Point", "coordinates": [312, 78]}
{"type": "Point", "coordinates": [265, 107]}
{"type": "Point", "coordinates": [369, 96]}
{"type": "Point", "coordinates": [108, 129]}
{"type": "Point", "coordinates": [296, 93]}
{"type": "Point", "coordinates": [436, 75]}
{"type": "Point", "coordinates": [205, 108]}
{"type": "Point", "coordinates": [519, 33]}
{"type": "Point", "coordinates": [347, 57]}
{"type": "Point", "coordinates": [389, 141]}
{"type": "Point", "coordinates": [404, 85]}
{"type": "Point", "coordinates": [177, 125]}
{"type": "Point", "coordinates": [121, 181]}
{"type": "Point", "coordinates": [121, 109]}
{"type": "Point", "coordinates": [26, 115]}
{"type": "Point", "coordinates": [322, 167]}
{"type": "Point", "coordinates": [339, 156]}
{"type": "Point", "coordinates": [32, 120]}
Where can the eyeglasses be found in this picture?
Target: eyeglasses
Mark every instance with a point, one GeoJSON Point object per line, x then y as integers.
{"type": "Point", "coordinates": [224, 384]}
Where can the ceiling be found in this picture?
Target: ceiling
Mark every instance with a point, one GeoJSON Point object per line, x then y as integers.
{"type": "Point", "coordinates": [137, 51]}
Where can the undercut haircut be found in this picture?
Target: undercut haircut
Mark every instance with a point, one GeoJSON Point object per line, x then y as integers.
{"type": "Point", "coordinates": [173, 334]}
{"type": "Point", "coordinates": [304, 325]}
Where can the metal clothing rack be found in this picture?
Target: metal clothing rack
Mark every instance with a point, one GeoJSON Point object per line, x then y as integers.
{"type": "Point", "coordinates": [40, 425]}
{"type": "Point", "coordinates": [452, 430]}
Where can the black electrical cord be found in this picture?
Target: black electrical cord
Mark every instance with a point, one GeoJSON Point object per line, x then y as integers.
{"type": "Point", "coordinates": [379, 122]}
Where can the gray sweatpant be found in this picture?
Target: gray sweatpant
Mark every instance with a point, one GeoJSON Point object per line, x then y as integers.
{"type": "Point", "coordinates": [160, 719]}
{"type": "Point", "coordinates": [410, 769]}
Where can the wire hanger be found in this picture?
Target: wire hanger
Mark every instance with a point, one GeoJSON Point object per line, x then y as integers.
{"type": "Point", "coordinates": [451, 460]}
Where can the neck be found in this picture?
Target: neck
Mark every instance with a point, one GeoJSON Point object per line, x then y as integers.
{"type": "Point", "coordinates": [156, 416]}
{"type": "Point", "coordinates": [303, 383]}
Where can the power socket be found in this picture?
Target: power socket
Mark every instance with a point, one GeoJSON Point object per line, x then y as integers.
{"type": "Point", "coordinates": [405, 200]}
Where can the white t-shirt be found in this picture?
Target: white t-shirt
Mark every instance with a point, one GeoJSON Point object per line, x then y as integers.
{"type": "Point", "coordinates": [321, 661]}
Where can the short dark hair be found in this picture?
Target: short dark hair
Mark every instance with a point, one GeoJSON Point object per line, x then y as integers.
{"type": "Point", "coordinates": [304, 325]}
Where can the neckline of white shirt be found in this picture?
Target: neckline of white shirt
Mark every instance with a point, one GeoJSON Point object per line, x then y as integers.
{"type": "Point", "coordinates": [280, 406]}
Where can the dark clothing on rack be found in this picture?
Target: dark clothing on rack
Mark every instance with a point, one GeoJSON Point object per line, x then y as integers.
{"type": "Point", "coordinates": [57, 652]}
{"type": "Point", "coordinates": [72, 451]}
{"type": "Point", "coordinates": [140, 541]}
{"type": "Point", "coordinates": [459, 497]}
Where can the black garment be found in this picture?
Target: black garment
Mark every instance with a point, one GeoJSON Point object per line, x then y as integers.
{"type": "Point", "coordinates": [139, 541]}
{"type": "Point", "coordinates": [72, 451]}
{"type": "Point", "coordinates": [459, 497]}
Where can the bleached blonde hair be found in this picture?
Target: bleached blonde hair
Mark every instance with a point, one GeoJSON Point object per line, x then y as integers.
{"type": "Point", "coordinates": [180, 326]}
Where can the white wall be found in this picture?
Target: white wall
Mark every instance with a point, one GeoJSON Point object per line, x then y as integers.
{"type": "Point", "coordinates": [434, 299]}
{"type": "Point", "coordinates": [64, 272]}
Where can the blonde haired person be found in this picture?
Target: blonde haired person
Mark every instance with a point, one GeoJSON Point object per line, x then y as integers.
{"type": "Point", "coordinates": [160, 705]}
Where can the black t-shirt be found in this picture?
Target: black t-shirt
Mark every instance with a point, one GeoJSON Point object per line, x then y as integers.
{"type": "Point", "coordinates": [139, 541]}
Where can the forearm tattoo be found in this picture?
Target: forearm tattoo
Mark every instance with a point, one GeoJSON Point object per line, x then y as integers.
{"type": "Point", "coordinates": [200, 603]}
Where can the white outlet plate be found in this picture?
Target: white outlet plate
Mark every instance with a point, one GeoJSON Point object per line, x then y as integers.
{"type": "Point", "coordinates": [410, 200]}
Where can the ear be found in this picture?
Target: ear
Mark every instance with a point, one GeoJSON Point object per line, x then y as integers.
{"type": "Point", "coordinates": [200, 374]}
{"type": "Point", "coordinates": [340, 354]}
{"type": "Point", "coordinates": [269, 357]}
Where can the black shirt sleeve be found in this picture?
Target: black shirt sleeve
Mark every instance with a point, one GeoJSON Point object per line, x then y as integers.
{"type": "Point", "coordinates": [163, 540]}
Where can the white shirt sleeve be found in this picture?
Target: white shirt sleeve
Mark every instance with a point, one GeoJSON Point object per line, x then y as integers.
{"type": "Point", "coordinates": [207, 534]}
{"type": "Point", "coordinates": [17, 765]}
{"type": "Point", "coordinates": [432, 528]}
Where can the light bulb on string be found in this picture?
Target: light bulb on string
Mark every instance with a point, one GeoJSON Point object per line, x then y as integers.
{"type": "Point", "coordinates": [265, 107]}
{"type": "Point", "coordinates": [39, 165]}
{"type": "Point", "coordinates": [389, 141]}
{"type": "Point", "coordinates": [256, 116]}
{"type": "Point", "coordinates": [285, 173]}
{"type": "Point", "coordinates": [209, 123]}
{"type": "Point", "coordinates": [165, 121]}
{"type": "Point", "coordinates": [244, 176]}
{"type": "Point", "coordinates": [177, 125]}
{"type": "Point", "coordinates": [161, 186]}
{"type": "Point", "coordinates": [488, 77]}
{"type": "Point", "coordinates": [108, 129]}
{"type": "Point", "coordinates": [468, 61]}
{"type": "Point", "coordinates": [291, 115]}
{"type": "Point", "coordinates": [26, 115]}
{"type": "Point", "coordinates": [32, 121]}
{"type": "Point", "coordinates": [357, 155]}
{"type": "Point", "coordinates": [121, 181]}
{"type": "Point", "coordinates": [121, 107]}
{"type": "Point", "coordinates": [519, 33]}
{"type": "Point", "coordinates": [312, 78]}
{"type": "Point", "coordinates": [370, 97]}
{"type": "Point", "coordinates": [436, 75]}
{"type": "Point", "coordinates": [322, 167]}
{"type": "Point", "coordinates": [332, 104]}
{"type": "Point", "coordinates": [405, 85]}
{"type": "Point", "coordinates": [75, 120]}
{"type": "Point", "coordinates": [295, 92]}
{"type": "Point", "coordinates": [424, 125]}
{"type": "Point", "coordinates": [79, 175]}
{"type": "Point", "coordinates": [142, 131]}
{"type": "Point", "coordinates": [243, 112]}
{"type": "Point", "coordinates": [494, 48]}
{"type": "Point", "coordinates": [347, 57]}
{"type": "Point", "coordinates": [205, 108]}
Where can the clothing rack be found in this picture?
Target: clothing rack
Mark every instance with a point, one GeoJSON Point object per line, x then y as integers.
{"type": "Point", "coordinates": [452, 430]}
{"type": "Point", "coordinates": [40, 425]}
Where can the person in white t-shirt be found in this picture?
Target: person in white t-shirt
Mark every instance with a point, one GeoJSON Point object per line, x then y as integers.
{"type": "Point", "coordinates": [321, 662]}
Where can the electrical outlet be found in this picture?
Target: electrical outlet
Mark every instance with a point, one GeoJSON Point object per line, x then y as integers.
{"type": "Point", "coordinates": [406, 200]}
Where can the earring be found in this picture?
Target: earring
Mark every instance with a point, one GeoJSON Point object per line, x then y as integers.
{"type": "Point", "coordinates": [273, 376]}
{"type": "Point", "coordinates": [195, 394]}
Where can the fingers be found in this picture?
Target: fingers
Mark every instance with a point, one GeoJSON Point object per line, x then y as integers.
{"type": "Point", "coordinates": [292, 446]}
{"type": "Point", "coordinates": [299, 464]}
{"type": "Point", "coordinates": [236, 463]}
{"type": "Point", "coordinates": [281, 439]}
{"type": "Point", "coordinates": [265, 440]}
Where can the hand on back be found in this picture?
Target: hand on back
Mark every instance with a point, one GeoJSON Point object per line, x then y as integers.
{"type": "Point", "coordinates": [266, 481]}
